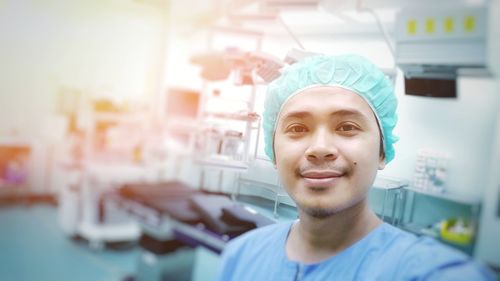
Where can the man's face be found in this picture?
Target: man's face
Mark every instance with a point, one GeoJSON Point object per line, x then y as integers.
{"type": "Point", "coordinates": [327, 149]}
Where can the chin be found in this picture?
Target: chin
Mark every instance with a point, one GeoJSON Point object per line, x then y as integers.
{"type": "Point", "coordinates": [320, 208]}
{"type": "Point", "coordinates": [319, 213]}
{"type": "Point", "coordinates": [327, 209]}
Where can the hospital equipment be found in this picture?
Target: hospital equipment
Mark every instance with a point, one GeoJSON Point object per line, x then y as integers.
{"type": "Point", "coordinates": [14, 165]}
{"type": "Point", "coordinates": [82, 210]}
{"type": "Point", "coordinates": [217, 65]}
{"type": "Point", "coordinates": [468, 207]}
{"type": "Point", "coordinates": [431, 169]}
{"type": "Point", "coordinates": [111, 151]}
{"type": "Point", "coordinates": [394, 198]}
{"type": "Point", "coordinates": [277, 192]}
{"type": "Point", "coordinates": [436, 45]}
{"type": "Point", "coordinates": [15, 170]}
{"type": "Point", "coordinates": [457, 230]}
{"type": "Point", "coordinates": [227, 136]}
{"type": "Point", "coordinates": [175, 218]}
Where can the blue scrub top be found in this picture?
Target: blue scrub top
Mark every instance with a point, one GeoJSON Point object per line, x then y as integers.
{"type": "Point", "coordinates": [386, 253]}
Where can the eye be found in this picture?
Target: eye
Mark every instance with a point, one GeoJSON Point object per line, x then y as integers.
{"type": "Point", "coordinates": [347, 127]}
{"type": "Point", "coordinates": [296, 129]}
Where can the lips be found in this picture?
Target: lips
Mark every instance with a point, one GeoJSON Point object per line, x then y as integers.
{"type": "Point", "coordinates": [321, 178]}
{"type": "Point", "coordinates": [321, 174]}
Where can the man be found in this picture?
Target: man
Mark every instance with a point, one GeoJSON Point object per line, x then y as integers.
{"type": "Point", "coordinates": [328, 125]}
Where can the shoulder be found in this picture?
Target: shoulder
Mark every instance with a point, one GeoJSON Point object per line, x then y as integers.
{"type": "Point", "coordinates": [252, 249]}
{"type": "Point", "coordinates": [258, 237]}
{"type": "Point", "coordinates": [424, 258]}
{"type": "Point", "coordinates": [393, 240]}
{"type": "Point", "coordinates": [427, 259]}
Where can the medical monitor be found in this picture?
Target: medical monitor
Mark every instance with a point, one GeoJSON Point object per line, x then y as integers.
{"type": "Point", "coordinates": [428, 87]}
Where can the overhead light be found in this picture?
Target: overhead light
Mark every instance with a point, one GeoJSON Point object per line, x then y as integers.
{"type": "Point", "coordinates": [359, 17]}
{"type": "Point", "coordinates": [313, 18]}
{"type": "Point", "coordinates": [385, 15]}
{"type": "Point", "coordinates": [289, 4]}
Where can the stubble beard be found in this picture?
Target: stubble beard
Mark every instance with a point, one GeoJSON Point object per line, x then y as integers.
{"type": "Point", "coordinates": [319, 213]}
{"type": "Point", "coordinates": [324, 213]}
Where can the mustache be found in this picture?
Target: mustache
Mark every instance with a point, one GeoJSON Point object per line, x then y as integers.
{"type": "Point", "coordinates": [325, 167]}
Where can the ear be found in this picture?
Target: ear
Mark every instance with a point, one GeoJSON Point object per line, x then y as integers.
{"type": "Point", "coordinates": [274, 155]}
{"type": "Point", "coordinates": [381, 163]}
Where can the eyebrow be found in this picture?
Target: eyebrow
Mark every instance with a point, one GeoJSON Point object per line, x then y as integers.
{"type": "Point", "coordinates": [337, 113]}
{"type": "Point", "coordinates": [296, 114]}
{"type": "Point", "coordinates": [349, 112]}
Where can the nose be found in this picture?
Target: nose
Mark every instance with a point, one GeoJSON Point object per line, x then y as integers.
{"type": "Point", "coordinates": [321, 147]}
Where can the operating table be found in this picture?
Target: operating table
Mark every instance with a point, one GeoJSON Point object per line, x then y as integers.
{"type": "Point", "coordinates": [175, 217]}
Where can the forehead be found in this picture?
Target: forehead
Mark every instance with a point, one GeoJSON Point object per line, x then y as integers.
{"type": "Point", "coordinates": [326, 100]}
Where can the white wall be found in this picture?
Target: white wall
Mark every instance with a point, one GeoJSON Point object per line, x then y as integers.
{"type": "Point", "coordinates": [101, 48]}
{"type": "Point", "coordinates": [488, 247]}
{"type": "Point", "coordinates": [463, 128]}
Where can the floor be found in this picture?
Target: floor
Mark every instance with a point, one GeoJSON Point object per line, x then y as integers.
{"type": "Point", "coordinates": [33, 248]}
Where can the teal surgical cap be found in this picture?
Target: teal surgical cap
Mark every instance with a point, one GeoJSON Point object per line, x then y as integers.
{"type": "Point", "coordinates": [351, 72]}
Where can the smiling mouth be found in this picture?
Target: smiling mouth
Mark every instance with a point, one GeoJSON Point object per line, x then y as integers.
{"type": "Point", "coordinates": [321, 179]}
{"type": "Point", "coordinates": [321, 174]}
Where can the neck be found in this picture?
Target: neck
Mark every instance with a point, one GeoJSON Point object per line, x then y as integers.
{"type": "Point", "coordinates": [314, 239]}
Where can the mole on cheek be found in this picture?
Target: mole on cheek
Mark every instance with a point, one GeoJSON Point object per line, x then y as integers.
{"type": "Point", "coordinates": [355, 163]}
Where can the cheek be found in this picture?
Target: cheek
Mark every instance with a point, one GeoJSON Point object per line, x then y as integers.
{"type": "Point", "coordinates": [288, 155]}
{"type": "Point", "coordinates": [363, 150]}
{"type": "Point", "coordinates": [286, 150]}
{"type": "Point", "coordinates": [365, 162]}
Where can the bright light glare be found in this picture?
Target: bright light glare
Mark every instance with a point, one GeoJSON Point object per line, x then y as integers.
{"type": "Point", "coordinates": [385, 15]}
{"type": "Point", "coordinates": [310, 18]}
